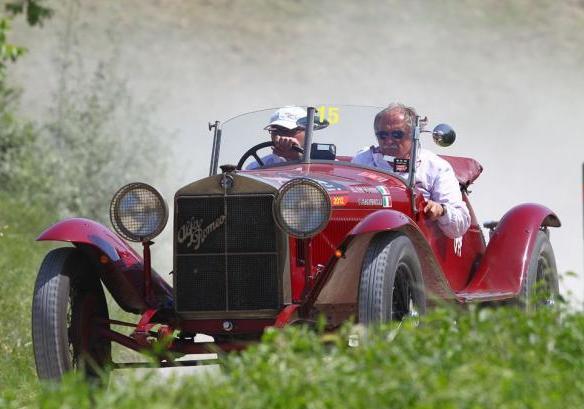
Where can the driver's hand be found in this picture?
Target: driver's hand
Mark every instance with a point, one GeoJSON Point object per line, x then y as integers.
{"type": "Point", "coordinates": [433, 210]}
{"type": "Point", "coordinates": [283, 147]}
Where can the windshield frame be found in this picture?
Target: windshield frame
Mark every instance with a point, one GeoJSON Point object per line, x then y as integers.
{"type": "Point", "coordinates": [217, 128]}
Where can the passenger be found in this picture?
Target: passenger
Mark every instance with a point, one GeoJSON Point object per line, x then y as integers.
{"type": "Point", "coordinates": [434, 176]}
{"type": "Point", "coordinates": [286, 133]}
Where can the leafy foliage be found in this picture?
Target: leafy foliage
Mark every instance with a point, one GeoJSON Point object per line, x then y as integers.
{"type": "Point", "coordinates": [20, 157]}
{"type": "Point", "coordinates": [480, 358]}
{"type": "Point", "coordinates": [8, 52]}
{"type": "Point", "coordinates": [35, 12]}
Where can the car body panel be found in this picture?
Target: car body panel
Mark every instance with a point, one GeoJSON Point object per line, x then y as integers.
{"type": "Point", "coordinates": [121, 272]}
{"type": "Point", "coordinates": [457, 258]}
{"type": "Point", "coordinates": [504, 267]}
{"type": "Point", "coordinates": [79, 230]}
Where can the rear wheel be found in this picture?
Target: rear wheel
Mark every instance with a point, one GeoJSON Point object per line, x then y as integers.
{"type": "Point", "coordinates": [68, 307]}
{"type": "Point", "coordinates": [540, 286]}
{"type": "Point", "coordinates": [391, 280]}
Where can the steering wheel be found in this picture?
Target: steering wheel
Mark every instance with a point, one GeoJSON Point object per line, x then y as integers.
{"type": "Point", "coordinates": [254, 149]}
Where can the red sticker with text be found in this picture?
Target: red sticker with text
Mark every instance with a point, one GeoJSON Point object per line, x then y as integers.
{"type": "Point", "coordinates": [339, 200]}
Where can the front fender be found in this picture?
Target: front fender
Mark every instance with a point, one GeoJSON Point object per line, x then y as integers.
{"type": "Point", "coordinates": [504, 266]}
{"type": "Point", "coordinates": [435, 281]}
{"type": "Point", "coordinates": [85, 231]}
{"type": "Point", "coordinates": [123, 272]}
{"type": "Point", "coordinates": [381, 220]}
{"type": "Point", "coordinates": [339, 284]}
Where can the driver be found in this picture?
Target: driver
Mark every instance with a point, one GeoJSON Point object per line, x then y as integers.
{"type": "Point", "coordinates": [434, 176]}
{"type": "Point", "coordinates": [286, 133]}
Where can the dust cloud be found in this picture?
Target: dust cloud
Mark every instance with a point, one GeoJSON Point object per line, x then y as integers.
{"type": "Point", "coordinates": [507, 77]}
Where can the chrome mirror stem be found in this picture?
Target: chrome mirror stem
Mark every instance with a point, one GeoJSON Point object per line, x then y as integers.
{"type": "Point", "coordinates": [414, 153]}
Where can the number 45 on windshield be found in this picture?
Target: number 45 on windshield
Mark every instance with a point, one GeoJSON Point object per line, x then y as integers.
{"type": "Point", "coordinates": [330, 113]}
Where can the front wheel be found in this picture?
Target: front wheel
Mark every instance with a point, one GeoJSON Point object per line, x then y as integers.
{"type": "Point", "coordinates": [391, 286]}
{"type": "Point", "coordinates": [68, 307]}
{"type": "Point", "coordinates": [540, 286]}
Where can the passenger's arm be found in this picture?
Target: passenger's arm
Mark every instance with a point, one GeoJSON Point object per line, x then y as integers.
{"type": "Point", "coordinates": [446, 190]}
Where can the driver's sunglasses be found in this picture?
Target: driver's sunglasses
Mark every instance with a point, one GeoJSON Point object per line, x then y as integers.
{"type": "Point", "coordinates": [397, 134]}
{"type": "Point", "coordinates": [284, 131]}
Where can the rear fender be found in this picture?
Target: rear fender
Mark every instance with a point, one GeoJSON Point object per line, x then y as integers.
{"type": "Point", "coordinates": [504, 266]}
{"type": "Point", "coordinates": [341, 284]}
{"type": "Point", "coordinates": [122, 272]}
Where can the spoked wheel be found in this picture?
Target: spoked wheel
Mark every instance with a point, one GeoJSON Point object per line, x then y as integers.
{"type": "Point", "coordinates": [540, 288]}
{"type": "Point", "coordinates": [391, 286]}
{"type": "Point", "coordinates": [68, 307]}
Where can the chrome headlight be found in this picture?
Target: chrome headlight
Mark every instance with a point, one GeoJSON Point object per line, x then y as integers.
{"type": "Point", "coordinates": [138, 212]}
{"type": "Point", "coordinates": [302, 208]}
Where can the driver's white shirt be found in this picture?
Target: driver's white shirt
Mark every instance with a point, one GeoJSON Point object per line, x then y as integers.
{"type": "Point", "coordinates": [436, 180]}
{"type": "Point", "coordinates": [268, 160]}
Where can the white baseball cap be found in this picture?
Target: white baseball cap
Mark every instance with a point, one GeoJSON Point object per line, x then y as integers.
{"type": "Point", "coordinates": [287, 117]}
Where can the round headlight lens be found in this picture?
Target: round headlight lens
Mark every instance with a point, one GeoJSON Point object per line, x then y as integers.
{"type": "Point", "coordinates": [303, 208]}
{"type": "Point", "coordinates": [138, 212]}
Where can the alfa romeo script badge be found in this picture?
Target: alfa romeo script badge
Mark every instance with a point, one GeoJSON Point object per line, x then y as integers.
{"type": "Point", "coordinates": [194, 234]}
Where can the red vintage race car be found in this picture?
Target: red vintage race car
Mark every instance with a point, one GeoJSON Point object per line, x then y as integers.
{"type": "Point", "coordinates": [278, 244]}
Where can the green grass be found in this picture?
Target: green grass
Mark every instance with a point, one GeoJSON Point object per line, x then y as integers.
{"type": "Point", "coordinates": [20, 257]}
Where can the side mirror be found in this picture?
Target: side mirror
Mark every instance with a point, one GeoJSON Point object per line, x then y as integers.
{"type": "Point", "coordinates": [443, 135]}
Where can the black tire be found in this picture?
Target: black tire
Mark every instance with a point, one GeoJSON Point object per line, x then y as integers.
{"type": "Point", "coordinates": [391, 286]}
{"type": "Point", "coordinates": [67, 308]}
{"type": "Point", "coordinates": [540, 287]}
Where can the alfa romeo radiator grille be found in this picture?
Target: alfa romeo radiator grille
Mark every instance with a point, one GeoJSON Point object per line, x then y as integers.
{"type": "Point", "coordinates": [226, 254]}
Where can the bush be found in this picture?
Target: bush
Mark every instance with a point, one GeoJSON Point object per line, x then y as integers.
{"type": "Point", "coordinates": [95, 141]}
{"type": "Point", "coordinates": [485, 358]}
{"type": "Point", "coordinates": [15, 139]}
{"type": "Point", "coordinates": [98, 140]}
{"type": "Point", "coordinates": [20, 169]}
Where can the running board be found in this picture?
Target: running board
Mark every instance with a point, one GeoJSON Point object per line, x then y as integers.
{"type": "Point", "coordinates": [485, 296]}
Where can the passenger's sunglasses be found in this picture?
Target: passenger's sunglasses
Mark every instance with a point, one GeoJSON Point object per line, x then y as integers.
{"type": "Point", "coordinates": [283, 131]}
{"type": "Point", "coordinates": [397, 134]}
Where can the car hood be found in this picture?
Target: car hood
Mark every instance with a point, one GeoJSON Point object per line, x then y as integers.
{"type": "Point", "coordinates": [347, 185]}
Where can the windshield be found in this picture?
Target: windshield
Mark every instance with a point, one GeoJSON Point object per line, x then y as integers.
{"type": "Point", "coordinates": [350, 129]}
